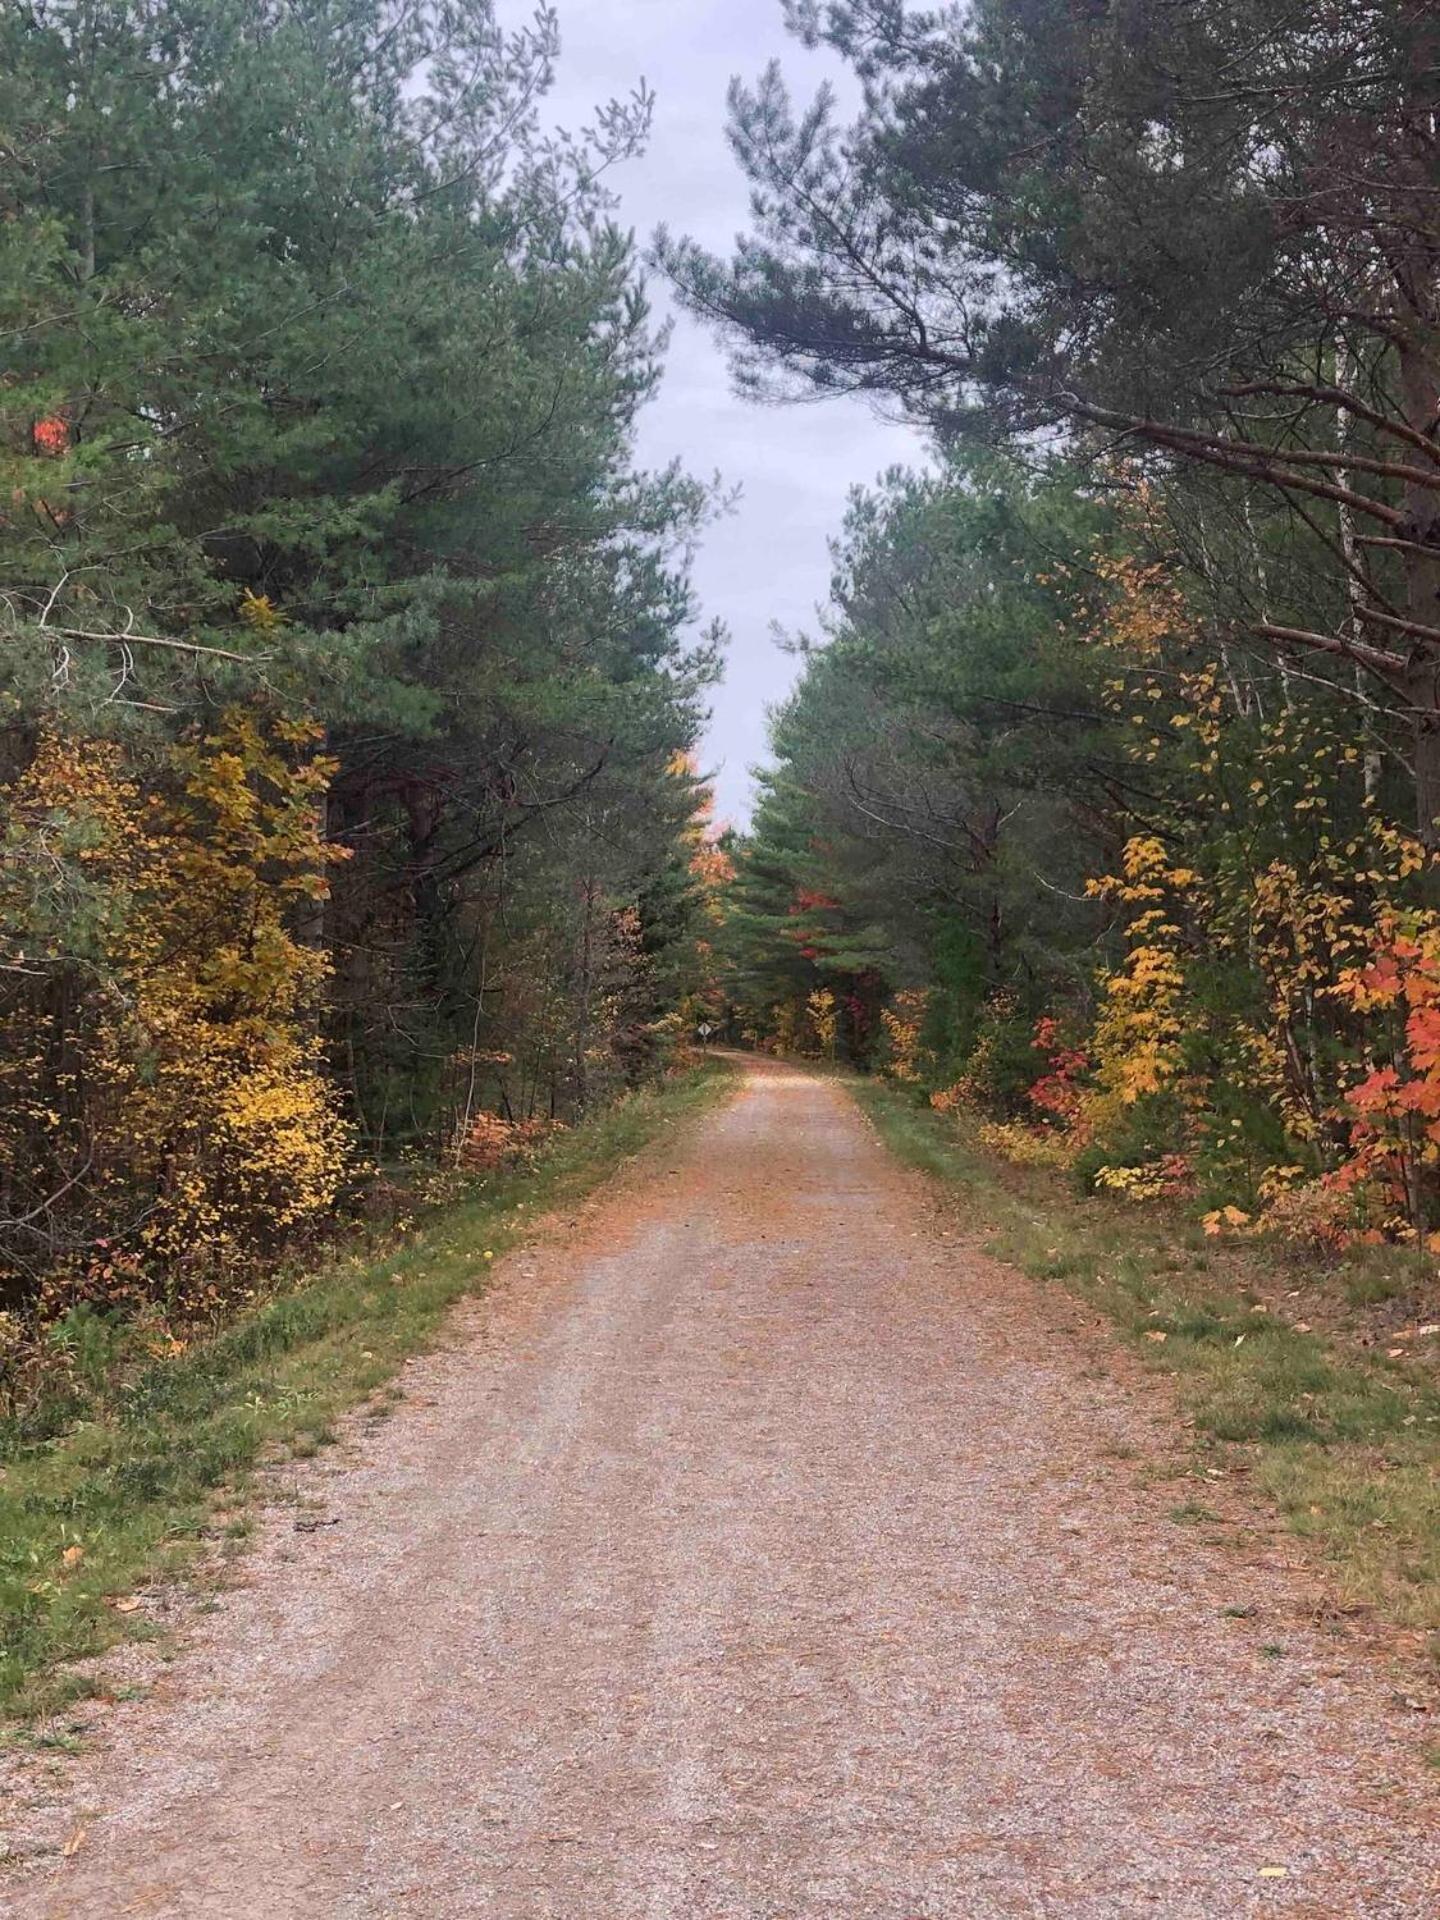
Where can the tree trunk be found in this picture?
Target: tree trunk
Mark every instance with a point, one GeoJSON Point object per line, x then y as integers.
{"type": "Point", "coordinates": [1418, 273]}
{"type": "Point", "coordinates": [1427, 758]}
{"type": "Point", "coordinates": [586, 985]}
{"type": "Point", "coordinates": [1345, 375]}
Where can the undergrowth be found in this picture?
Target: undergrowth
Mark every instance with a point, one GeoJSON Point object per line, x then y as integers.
{"type": "Point", "coordinates": [161, 1465]}
{"type": "Point", "coordinates": [1344, 1439]}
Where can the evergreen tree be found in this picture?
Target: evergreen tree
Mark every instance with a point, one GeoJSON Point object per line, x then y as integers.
{"type": "Point", "coordinates": [1204, 233]}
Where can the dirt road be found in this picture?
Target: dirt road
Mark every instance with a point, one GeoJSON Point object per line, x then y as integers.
{"type": "Point", "coordinates": [753, 1552]}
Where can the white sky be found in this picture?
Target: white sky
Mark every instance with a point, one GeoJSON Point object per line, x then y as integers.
{"type": "Point", "coordinates": [768, 561]}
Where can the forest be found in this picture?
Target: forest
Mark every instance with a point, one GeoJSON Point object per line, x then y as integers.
{"type": "Point", "coordinates": [1106, 808]}
{"type": "Point", "coordinates": [352, 814]}
{"type": "Point", "coordinates": [352, 676]}
{"type": "Point", "coordinates": [564, 1353]}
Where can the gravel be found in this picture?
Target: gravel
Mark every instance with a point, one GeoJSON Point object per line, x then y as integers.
{"type": "Point", "coordinates": [752, 1551]}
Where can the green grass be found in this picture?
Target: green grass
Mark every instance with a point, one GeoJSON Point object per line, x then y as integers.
{"type": "Point", "coordinates": [1344, 1442]}
{"type": "Point", "coordinates": [158, 1475]}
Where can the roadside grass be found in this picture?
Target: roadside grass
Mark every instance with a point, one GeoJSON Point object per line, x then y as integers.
{"type": "Point", "coordinates": [1344, 1440]}
{"type": "Point", "coordinates": [160, 1473]}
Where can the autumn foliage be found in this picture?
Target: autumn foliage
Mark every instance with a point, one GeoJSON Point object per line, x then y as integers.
{"type": "Point", "coordinates": [166, 1117]}
{"type": "Point", "coordinates": [1231, 999]}
{"type": "Point", "coordinates": [351, 837]}
{"type": "Point", "coordinates": [1392, 1110]}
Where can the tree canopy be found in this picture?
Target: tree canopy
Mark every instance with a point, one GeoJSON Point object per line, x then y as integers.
{"type": "Point", "coordinates": [1205, 235]}
{"type": "Point", "coordinates": [322, 363]}
{"type": "Point", "coordinates": [1106, 806]}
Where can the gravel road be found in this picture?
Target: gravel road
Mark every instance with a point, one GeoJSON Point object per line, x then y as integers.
{"type": "Point", "coordinates": [753, 1551]}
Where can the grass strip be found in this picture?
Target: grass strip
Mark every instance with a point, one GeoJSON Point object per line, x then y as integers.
{"type": "Point", "coordinates": [1345, 1442]}
{"type": "Point", "coordinates": [132, 1495]}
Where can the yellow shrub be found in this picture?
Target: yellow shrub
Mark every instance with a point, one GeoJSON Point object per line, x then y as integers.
{"type": "Point", "coordinates": [824, 1015]}
{"type": "Point", "coordinates": [1028, 1146]}
{"type": "Point", "coordinates": [165, 1045]}
{"type": "Point", "coordinates": [902, 1021]}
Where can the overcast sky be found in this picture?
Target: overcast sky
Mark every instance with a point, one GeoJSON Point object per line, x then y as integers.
{"type": "Point", "coordinates": [795, 465]}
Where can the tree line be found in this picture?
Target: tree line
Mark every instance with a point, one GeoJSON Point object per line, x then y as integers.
{"type": "Point", "coordinates": [1108, 801]}
{"type": "Point", "coordinates": [352, 671]}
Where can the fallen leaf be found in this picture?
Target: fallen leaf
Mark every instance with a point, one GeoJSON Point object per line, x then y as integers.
{"type": "Point", "coordinates": [1155, 1333]}
{"type": "Point", "coordinates": [72, 1556]}
{"type": "Point", "coordinates": [73, 1845]}
{"type": "Point", "coordinates": [1274, 1873]}
{"type": "Point", "coordinates": [1395, 1353]}
{"type": "Point", "coordinates": [129, 1604]}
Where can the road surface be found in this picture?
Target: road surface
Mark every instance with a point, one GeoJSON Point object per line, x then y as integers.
{"type": "Point", "coordinates": [754, 1552]}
